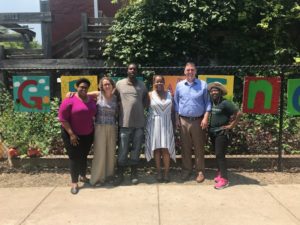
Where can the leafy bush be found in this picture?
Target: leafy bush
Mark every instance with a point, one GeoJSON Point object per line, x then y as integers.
{"type": "Point", "coordinates": [24, 130]}
{"type": "Point", "coordinates": [258, 134]}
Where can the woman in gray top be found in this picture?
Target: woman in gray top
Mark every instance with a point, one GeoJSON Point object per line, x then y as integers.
{"type": "Point", "coordinates": [105, 133]}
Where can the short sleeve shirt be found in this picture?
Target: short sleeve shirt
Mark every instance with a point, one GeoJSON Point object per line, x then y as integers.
{"type": "Point", "coordinates": [133, 100]}
{"type": "Point", "coordinates": [79, 114]}
{"type": "Point", "coordinates": [221, 113]}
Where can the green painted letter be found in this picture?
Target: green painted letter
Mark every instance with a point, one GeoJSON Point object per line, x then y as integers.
{"type": "Point", "coordinates": [260, 86]}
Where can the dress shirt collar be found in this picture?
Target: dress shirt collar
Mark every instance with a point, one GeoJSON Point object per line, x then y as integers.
{"type": "Point", "coordinates": [190, 84]}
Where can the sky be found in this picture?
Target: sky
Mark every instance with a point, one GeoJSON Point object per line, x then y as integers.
{"type": "Point", "coordinates": [23, 6]}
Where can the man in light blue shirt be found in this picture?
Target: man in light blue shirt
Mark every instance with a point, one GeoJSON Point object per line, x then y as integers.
{"type": "Point", "coordinates": [192, 106]}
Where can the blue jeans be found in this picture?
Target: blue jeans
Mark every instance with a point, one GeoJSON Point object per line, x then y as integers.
{"type": "Point", "coordinates": [130, 137]}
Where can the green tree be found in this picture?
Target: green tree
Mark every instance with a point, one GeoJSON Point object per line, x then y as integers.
{"type": "Point", "coordinates": [171, 32]}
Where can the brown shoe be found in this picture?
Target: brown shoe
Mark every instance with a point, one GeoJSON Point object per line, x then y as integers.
{"type": "Point", "coordinates": [200, 178]}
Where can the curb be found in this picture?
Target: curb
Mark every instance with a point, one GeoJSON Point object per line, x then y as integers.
{"type": "Point", "coordinates": [233, 161]}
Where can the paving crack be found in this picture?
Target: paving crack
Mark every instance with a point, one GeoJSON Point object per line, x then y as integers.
{"type": "Point", "coordinates": [283, 206]}
{"type": "Point", "coordinates": [35, 208]}
{"type": "Point", "coordinates": [158, 204]}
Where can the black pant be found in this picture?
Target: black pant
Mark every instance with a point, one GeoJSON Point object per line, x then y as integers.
{"type": "Point", "coordinates": [220, 144]}
{"type": "Point", "coordinates": [77, 154]}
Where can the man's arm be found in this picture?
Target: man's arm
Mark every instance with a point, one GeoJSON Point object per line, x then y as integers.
{"type": "Point", "coordinates": [146, 99]}
{"type": "Point", "coordinates": [93, 94]}
{"type": "Point", "coordinates": [204, 122]}
{"type": "Point", "coordinates": [207, 108]}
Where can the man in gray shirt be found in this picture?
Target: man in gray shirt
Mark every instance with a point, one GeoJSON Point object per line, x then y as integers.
{"type": "Point", "coordinates": [133, 98]}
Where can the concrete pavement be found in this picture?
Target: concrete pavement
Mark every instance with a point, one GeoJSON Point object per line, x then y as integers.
{"type": "Point", "coordinates": [153, 204]}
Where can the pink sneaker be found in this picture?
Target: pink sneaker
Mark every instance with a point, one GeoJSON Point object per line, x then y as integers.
{"type": "Point", "coordinates": [222, 183]}
{"type": "Point", "coordinates": [218, 176]}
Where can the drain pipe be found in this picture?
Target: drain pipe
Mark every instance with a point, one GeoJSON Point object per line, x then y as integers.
{"type": "Point", "coordinates": [96, 9]}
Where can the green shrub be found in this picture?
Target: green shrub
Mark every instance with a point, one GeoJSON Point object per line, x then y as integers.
{"type": "Point", "coordinates": [24, 130]}
{"type": "Point", "coordinates": [258, 134]}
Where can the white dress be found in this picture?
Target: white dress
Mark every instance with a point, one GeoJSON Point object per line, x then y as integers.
{"type": "Point", "coordinates": [159, 128]}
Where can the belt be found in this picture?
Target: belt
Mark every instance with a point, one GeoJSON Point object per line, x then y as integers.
{"type": "Point", "coordinates": [191, 118]}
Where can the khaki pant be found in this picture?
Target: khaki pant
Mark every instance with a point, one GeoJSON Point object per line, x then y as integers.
{"type": "Point", "coordinates": [192, 135]}
{"type": "Point", "coordinates": [104, 153]}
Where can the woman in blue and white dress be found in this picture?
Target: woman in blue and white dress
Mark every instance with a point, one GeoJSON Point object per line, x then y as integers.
{"type": "Point", "coordinates": [160, 142]}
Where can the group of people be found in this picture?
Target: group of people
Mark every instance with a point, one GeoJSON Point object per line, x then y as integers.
{"type": "Point", "coordinates": [196, 109]}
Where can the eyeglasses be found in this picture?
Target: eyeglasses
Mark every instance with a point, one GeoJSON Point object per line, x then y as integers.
{"type": "Point", "coordinates": [83, 87]}
{"type": "Point", "coordinates": [108, 84]}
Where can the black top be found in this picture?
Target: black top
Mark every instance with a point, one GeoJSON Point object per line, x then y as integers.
{"type": "Point", "coordinates": [221, 113]}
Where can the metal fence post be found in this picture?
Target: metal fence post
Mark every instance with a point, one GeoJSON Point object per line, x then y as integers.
{"type": "Point", "coordinates": [279, 163]}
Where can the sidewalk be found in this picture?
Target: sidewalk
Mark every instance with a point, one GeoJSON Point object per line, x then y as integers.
{"type": "Point", "coordinates": [153, 204]}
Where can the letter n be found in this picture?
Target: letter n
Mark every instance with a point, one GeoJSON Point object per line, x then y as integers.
{"type": "Point", "coordinates": [261, 95]}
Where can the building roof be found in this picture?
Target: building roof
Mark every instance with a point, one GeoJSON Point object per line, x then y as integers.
{"type": "Point", "coordinates": [50, 64]}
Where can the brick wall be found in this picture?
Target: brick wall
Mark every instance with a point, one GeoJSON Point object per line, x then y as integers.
{"type": "Point", "coordinates": [67, 14]}
{"type": "Point", "coordinates": [108, 9]}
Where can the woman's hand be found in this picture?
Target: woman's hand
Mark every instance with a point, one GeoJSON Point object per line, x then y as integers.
{"type": "Point", "coordinates": [74, 139]}
{"type": "Point", "coordinates": [227, 127]}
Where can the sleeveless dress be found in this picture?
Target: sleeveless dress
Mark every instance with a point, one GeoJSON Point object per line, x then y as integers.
{"type": "Point", "coordinates": [159, 127]}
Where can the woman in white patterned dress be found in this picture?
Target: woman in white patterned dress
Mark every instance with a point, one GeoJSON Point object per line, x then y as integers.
{"type": "Point", "coordinates": [159, 129]}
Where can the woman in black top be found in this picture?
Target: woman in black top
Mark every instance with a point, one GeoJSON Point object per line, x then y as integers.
{"type": "Point", "coordinates": [224, 117]}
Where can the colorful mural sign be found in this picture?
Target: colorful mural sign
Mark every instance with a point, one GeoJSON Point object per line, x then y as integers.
{"type": "Point", "coordinates": [171, 81]}
{"type": "Point", "coordinates": [31, 93]}
{"type": "Point", "coordinates": [261, 95]}
{"type": "Point", "coordinates": [293, 104]}
{"type": "Point", "coordinates": [68, 83]}
{"type": "Point", "coordinates": [226, 80]}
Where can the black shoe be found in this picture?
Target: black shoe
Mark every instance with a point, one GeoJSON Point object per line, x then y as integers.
{"type": "Point", "coordinates": [134, 175]}
{"type": "Point", "coordinates": [118, 180]}
{"type": "Point", "coordinates": [167, 178]}
{"type": "Point", "coordinates": [98, 184]}
{"type": "Point", "coordinates": [185, 175]}
{"type": "Point", "coordinates": [74, 190]}
{"type": "Point", "coordinates": [159, 177]}
{"type": "Point", "coordinates": [134, 180]}
{"type": "Point", "coordinates": [87, 185]}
